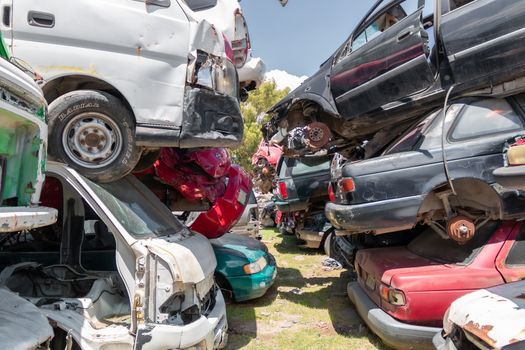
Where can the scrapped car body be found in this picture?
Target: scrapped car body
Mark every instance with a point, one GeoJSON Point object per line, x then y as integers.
{"type": "Point", "coordinates": [512, 175]}
{"type": "Point", "coordinates": [245, 269]}
{"type": "Point", "coordinates": [117, 270]}
{"type": "Point", "coordinates": [228, 208]}
{"type": "Point", "coordinates": [248, 224]}
{"type": "Point", "coordinates": [251, 75]}
{"type": "Point", "coordinates": [23, 147]}
{"type": "Point", "coordinates": [22, 325]}
{"type": "Point", "coordinates": [162, 79]}
{"type": "Point", "coordinates": [491, 318]}
{"type": "Point", "coordinates": [402, 293]}
{"type": "Point", "coordinates": [414, 181]}
{"type": "Point", "coordinates": [399, 62]}
{"type": "Point", "coordinates": [203, 184]}
{"type": "Point", "coordinates": [301, 194]}
{"type": "Point", "coordinates": [264, 161]}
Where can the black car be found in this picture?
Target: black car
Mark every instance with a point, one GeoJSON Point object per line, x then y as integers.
{"type": "Point", "coordinates": [302, 192]}
{"type": "Point", "coordinates": [398, 63]}
{"type": "Point", "coordinates": [414, 181]}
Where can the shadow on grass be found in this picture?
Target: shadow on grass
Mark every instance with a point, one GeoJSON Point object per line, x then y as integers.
{"type": "Point", "coordinates": [329, 294]}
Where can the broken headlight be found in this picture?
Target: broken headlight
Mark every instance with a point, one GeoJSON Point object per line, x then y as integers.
{"type": "Point", "coordinates": [256, 266]}
{"type": "Point", "coordinates": [214, 73]}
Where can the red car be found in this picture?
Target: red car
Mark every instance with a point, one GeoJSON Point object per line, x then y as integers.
{"type": "Point", "coordinates": [403, 292]}
{"type": "Point", "coordinates": [202, 183]}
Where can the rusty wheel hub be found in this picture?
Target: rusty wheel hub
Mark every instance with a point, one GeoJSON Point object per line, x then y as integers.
{"type": "Point", "coordinates": [461, 229]}
{"type": "Point", "coordinates": [317, 134]}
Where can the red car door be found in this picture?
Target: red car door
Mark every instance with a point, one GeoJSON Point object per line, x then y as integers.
{"type": "Point", "coordinates": [510, 261]}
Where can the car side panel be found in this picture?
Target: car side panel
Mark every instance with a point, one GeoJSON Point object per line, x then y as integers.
{"type": "Point", "coordinates": [484, 41]}
{"type": "Point", "coordinates": [383, 70]}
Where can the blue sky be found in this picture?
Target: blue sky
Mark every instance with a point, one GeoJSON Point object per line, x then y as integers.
{"type": "Point", "coordinates": [299, 37]}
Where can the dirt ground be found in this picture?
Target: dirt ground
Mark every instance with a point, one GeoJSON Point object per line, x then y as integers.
{"type": "Point", "coordinates": [307, 308]}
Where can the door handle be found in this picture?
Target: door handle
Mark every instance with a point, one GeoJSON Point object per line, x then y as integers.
{"type": "Point", "coordinates": [41, 19]}
{"type": "Point", "coordinates": [405, 33]}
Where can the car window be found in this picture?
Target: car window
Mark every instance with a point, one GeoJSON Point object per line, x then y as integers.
{"type": "Point", "coordinates": [516, 256]}
{"type": "Point", "coordinates": [412, 138]}
{"type": "Point", "coordinates": [310, 165]}
{"type": "Point", "coordinates": [198, 5]}
{"type": "Point", "coordinates": [137, 208]}
{"type": "Point", "coordinates": [383, 20]}
{"type": "Point", "coordinates": [430, 245]}
{"type": "Point", "coordinates": [485, 117]}
{"type": "Point", "coordinates": [454, 4]}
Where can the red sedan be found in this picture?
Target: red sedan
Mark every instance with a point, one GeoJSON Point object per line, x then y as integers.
{"type": "Point", "coordinates": [402, 293]}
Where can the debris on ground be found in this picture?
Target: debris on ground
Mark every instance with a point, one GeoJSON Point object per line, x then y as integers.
{"type": "Point", "coordinates": [297, 291]}
{"type": "Point", "coordinates": [330, 264]}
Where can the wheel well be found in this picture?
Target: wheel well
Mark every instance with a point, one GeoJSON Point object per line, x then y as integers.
{"type": "Point", "coordinates": [60, 86]}
{"type": "Point", "coordinates": [470, 194]}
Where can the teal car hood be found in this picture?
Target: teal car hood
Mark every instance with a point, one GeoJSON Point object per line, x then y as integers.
{"type": "Point", "coordinates": [233, 252]}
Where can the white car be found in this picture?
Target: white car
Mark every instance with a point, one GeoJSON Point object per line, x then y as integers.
{"type": "Point", "coordinates": [126, 77]}
{"type": "Point", "coordinates": [117, 271]}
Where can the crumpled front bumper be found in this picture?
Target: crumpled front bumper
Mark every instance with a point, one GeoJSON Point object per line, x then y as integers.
{"type": "Point", "coordinates": [210, 119]}
{"type": "Point", "coordinates": [205, 333]}
{"type": "Point", "coordinates": [226, 210]}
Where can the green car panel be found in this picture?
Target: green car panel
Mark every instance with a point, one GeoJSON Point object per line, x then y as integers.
{"type": "Point", "coordinates": [233, 252]}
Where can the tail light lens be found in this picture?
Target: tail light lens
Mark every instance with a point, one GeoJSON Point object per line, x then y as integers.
{"type": "Point", "coordinates": [347, 185]}
{"type": "Point", "coordinates": [241, 44]}
{"type": "Point", "coordinates": [516, 153]}
{"type": "Point", "coordinates": [228, 49]}
{"type": "Point", "coordinates": [331, 193]}
{"type": "Point", "coordinates": [282, 190]}
{"type": "Point", "coordinates": [392, 296]}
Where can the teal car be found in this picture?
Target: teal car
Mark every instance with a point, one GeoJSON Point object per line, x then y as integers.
{"type": "Point", "coordinates": [245, 269]}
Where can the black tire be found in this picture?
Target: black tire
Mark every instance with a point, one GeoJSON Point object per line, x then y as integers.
{"type": "Point", "coordinates": [337, 254]}
{"type": "Point", "coordinates": [93, 133]}
{"type": "Point", "coordinates": [147, 159]}
{"type": "Point", "coordinates": [226, 289]}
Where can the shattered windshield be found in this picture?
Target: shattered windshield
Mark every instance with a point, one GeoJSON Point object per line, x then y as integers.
{"type": "Point", "coordinates": [136, 208]}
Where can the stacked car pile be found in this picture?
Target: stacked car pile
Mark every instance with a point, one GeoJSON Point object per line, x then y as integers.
{"type": "Point", "coordinates": [103, 263]}
{"type": "Point", "coordinates": [417, 107]}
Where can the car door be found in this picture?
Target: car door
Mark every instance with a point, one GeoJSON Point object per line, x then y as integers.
{"type": "Point", "coordinates": [384, 60]}
{"type": "Point", "coordinates": [483, 40]}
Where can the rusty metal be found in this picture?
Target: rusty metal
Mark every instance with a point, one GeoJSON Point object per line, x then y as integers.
{"type": "Point", "coordinates": [317, 134]}
{"type": "Point", "coordinates": [461, 229]}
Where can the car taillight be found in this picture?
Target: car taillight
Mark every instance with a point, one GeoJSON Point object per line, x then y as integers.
{"type": "Point", "coordinates": [391, 295]}
{"type": "Point", "coordinates": [347, 185]}
{"type": "Point", "coordinates": [282, 190]}
{"type": "Point", "coordinates": [516, 153]}
{"type": "Point", "coordinates": [331, 193]}
{"type": "Point", "coordinates": [228, 49]}
{"type": "Point", "coordinates": [241, 43]}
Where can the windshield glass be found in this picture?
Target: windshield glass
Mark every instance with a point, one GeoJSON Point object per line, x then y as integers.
{"type": "Point", "coordinates": [430, 245]}
{"type": "Point", "coordinates": [136, 208]}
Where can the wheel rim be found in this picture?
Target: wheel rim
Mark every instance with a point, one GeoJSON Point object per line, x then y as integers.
{"type": "Point", "coordinates": [92, 140]}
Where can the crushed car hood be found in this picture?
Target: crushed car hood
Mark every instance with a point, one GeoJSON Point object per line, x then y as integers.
{"type": "Point", "coordinates": [495, 315]}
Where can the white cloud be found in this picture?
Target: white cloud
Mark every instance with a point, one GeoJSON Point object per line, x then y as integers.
{"type": "Point", "coordinates": [284, 79]}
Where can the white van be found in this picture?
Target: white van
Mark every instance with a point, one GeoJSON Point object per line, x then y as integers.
{"type": "Point", "coordinates": [117, 270]}
{"type": "Point", "coordinates": [125, 77]}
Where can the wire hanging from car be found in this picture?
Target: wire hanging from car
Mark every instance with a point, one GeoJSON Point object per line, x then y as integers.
{"type": "Point", "coordinates": [444, 111]}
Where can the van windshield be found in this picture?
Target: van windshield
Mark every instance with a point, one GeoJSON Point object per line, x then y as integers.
{"type": "Point", "coordinates": [137, 209]}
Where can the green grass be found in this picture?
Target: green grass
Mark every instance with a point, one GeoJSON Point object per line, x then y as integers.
{"type": "Point", "coordinates": [319, 317]}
